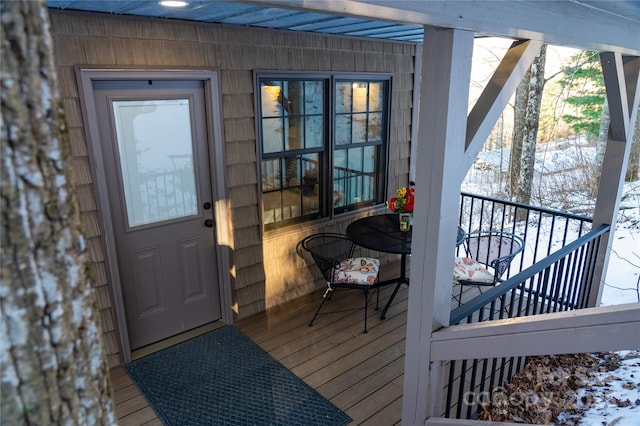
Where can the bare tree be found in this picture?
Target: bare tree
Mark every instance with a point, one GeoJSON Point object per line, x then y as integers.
{"type": "Point", "coordinates": [52, 358]}
{"type": "Point", "coordinates": [526, 125]}
{"type": "Point", "coordinates": [601, 145]}
{"type": "Point", "coordinates": [520, 108]}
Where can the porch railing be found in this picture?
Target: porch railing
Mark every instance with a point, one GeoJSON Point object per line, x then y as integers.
{"type": "Point", "coordinates": [559, 282]}
{"type": "Point", "coordinates": [544, 230]}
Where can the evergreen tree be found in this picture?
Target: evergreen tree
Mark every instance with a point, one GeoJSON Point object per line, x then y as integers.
{"type": "Point", "coordinates": [584, 83]}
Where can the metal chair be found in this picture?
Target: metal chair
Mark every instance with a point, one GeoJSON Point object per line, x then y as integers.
{"type": "Point", "coordinates": [488, 256]}
{"type": "Point", "coordinates": [333, 255]}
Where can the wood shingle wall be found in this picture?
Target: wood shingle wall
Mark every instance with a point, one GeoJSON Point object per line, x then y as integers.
{"type": "Point", "coordinates": [266, 271]}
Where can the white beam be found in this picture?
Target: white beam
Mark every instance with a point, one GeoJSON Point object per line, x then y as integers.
{"type": "Point", "coordinates": [621, 77]}
{"type": "Point", "coordinates": [561, 22]}
{"type": "Point", "coordinates": [584, 330]}
{"type": "Point", "coordinates": [496, 96]}
{"type": "Point", "coordinates": [444, 94]}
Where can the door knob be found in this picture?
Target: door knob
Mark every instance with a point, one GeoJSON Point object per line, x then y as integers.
{"type": "Point", "coordinates": [208, 223]}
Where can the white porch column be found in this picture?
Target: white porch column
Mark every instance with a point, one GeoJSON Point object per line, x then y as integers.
{"type": "Point", "coordinates": [444, 94]}
{"type": "Point", "coordinates": [621, 78]}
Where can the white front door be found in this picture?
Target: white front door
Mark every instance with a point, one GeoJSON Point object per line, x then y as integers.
{"type": "Point", "coordinates": [153, 137]}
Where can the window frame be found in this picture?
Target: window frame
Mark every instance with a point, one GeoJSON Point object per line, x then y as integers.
{"type": "Point", "coordinates": [381, 166]}
{"type": "Point", "coordinates": [327, 210]}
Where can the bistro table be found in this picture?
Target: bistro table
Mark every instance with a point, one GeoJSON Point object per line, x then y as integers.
{"type": "Point", "coordinates": [382, 233]}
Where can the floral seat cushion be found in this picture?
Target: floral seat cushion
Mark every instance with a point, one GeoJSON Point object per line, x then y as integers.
{"type": "Point", "coordinates": [468, 270]}
{"type": "Point", "coordinates": [357, 270]}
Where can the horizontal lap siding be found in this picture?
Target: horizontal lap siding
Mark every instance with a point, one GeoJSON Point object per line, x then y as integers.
{"type": "Point", "coordinates": [266, 270]}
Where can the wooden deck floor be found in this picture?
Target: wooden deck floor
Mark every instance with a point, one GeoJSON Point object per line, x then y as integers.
{"type": "Point", "coordinates": [360, 373]}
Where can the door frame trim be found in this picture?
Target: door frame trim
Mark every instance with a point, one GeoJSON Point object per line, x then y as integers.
{"type": "Point", "coordinates": [85, 77]}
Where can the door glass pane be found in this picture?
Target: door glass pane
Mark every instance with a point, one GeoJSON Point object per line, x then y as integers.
{"type": "Point", "coordinates": [156, 159]}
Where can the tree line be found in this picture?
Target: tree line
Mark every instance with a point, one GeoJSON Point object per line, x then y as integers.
{"type": "Point", "coordinates": [582, 91]}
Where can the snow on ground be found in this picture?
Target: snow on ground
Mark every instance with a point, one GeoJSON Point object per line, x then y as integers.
{"type": "Point", "coordinates": [617, 393]}
{"type": "Point", "coordinates": [622, 282]}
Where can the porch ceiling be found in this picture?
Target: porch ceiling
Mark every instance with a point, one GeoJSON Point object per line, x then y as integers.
{"type": "Point", "coordinates": [564, 22]}
{"type": "Point", "coordinates": [251, 15]}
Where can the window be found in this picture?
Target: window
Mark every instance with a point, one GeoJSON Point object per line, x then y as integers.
{"type": "Point", "coordinates": [322, 145]}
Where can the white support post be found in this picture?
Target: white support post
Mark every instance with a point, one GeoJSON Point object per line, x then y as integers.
{"type": "Point", "coordinates": [621, 77]}
{"type": "Point", "coordinates": [444, 94]}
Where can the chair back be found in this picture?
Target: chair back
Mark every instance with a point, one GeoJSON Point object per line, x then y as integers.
{"type": "Point", "coordinates": [460, 237]}
{"type": "Point", "coordinates": [327, 251]}
{"type": "Point", "coordinates": [494, 248]}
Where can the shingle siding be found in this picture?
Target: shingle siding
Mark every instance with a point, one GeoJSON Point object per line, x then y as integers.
{"type": "Point", "coordinates": [266, 268]}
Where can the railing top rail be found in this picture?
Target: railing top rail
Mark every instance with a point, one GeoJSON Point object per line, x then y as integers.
{"type": "Point", "coordinates": [494, 293]}
{"type": "Point", "coordinates": [528, 207]}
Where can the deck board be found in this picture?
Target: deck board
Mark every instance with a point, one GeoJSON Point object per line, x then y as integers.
{"type": "Point", "coordinates": [361, 374]}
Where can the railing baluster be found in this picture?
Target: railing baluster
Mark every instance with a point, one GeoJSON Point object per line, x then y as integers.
{"type": "Point", "coordinates": [578, 277]}
{"type": "Point", "coordinates": [538, 230]}
{"type": "Point", "coordinates": [463, 374]}
{"type": "Point", "coordinates": [502, 370]}
{"type": "Point", "coordinates": [556, 286]}
{"type": "Point", "coordinates": [452, 371]}
{"type": "Point", "coordinates": [472, 385]}
{"type": "Point", "coordinates": [553, 226]}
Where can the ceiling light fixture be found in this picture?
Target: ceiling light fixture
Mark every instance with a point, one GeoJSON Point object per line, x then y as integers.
{"type": "Point", "coordinates": [173, 3]}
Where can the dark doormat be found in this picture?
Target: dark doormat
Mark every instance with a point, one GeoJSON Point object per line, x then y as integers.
{"type": "Point", "coordinates": [223, 378]}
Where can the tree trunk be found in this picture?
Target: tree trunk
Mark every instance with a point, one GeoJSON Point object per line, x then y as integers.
{"type": "Point", "coordinates": [520, 108]}
{"type": "Point", "coordinates": [530, 130]}
{"type": "Point", "coordinates": [633, 169]}
{"type": "Point", "coordinates": [52, 359]}
{"type": "Point", "coordinates": [601, 146]}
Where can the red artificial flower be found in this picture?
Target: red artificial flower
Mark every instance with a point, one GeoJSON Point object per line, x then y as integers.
{"type": "Point", "coordinates": [393, 204]}
{"type": "Point", "coordinates": [403, 203]}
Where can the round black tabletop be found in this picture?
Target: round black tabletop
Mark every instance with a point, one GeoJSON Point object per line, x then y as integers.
{"type": "Point", "coordinates": [381, 233]}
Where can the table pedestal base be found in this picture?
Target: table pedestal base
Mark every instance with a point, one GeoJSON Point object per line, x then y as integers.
{"type": "Point", "coordinates": [402, 280]}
